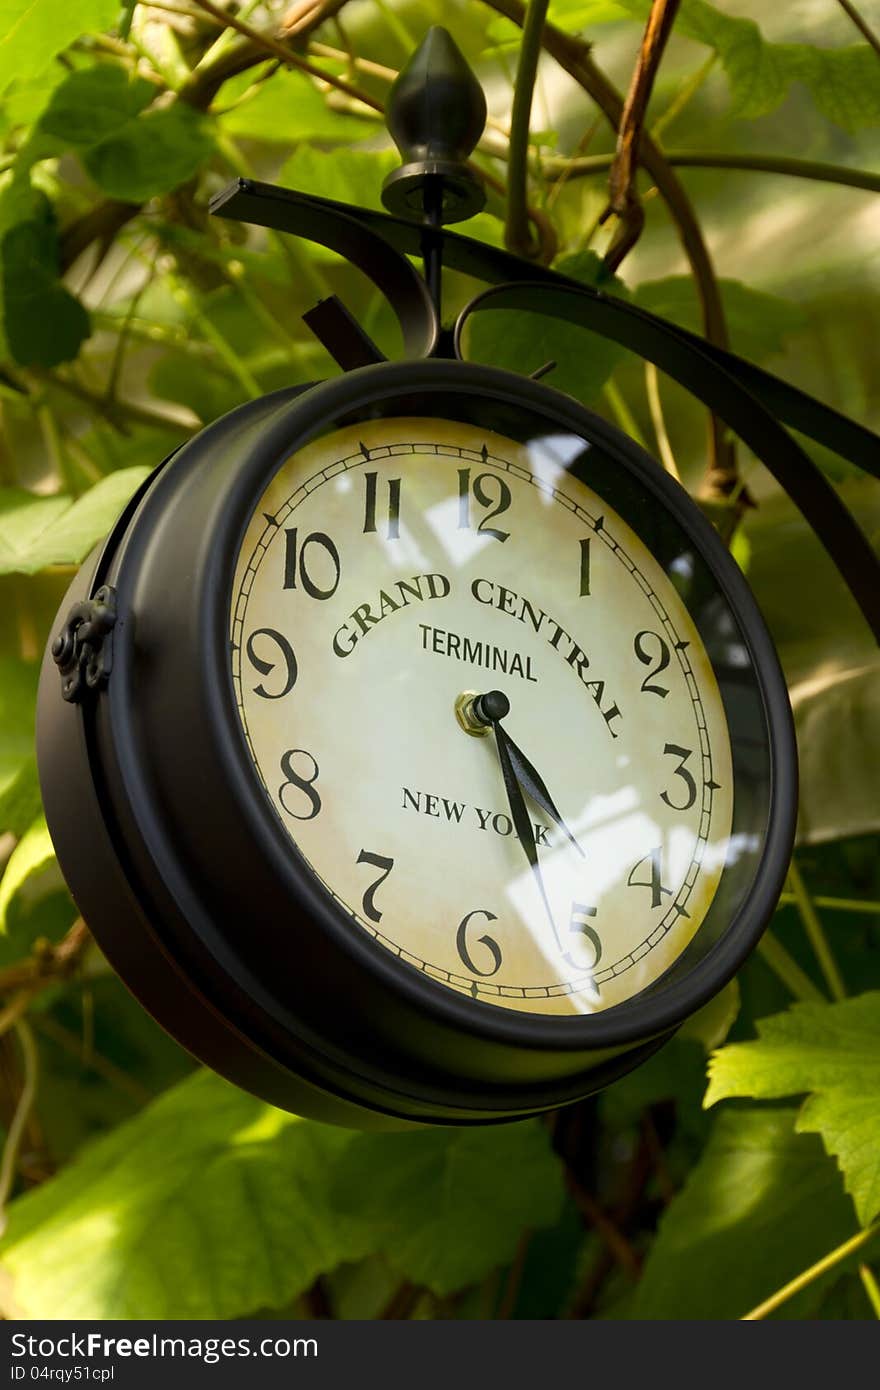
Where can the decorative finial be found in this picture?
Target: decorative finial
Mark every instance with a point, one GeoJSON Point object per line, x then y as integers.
{"type": "Point", "coordinates": [436, 114]}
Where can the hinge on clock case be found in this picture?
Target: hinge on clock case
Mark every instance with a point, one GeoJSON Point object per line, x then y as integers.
{"type": "Point", "coordinates": [83, 650]}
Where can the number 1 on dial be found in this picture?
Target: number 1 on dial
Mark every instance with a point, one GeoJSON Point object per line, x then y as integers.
{"type": "Point", "coordinates": [585, 568]}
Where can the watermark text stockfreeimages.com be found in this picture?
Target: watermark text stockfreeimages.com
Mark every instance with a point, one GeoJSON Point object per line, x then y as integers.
{"type": "Point", "coordinates": [89, 1346]}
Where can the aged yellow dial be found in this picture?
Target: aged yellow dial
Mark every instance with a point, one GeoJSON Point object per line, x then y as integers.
{"type": "Point", "coordinates": [553, 849]}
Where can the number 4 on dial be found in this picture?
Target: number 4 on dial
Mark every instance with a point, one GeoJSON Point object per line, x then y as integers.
{"type": "Point", "coordinates": [655, 882]}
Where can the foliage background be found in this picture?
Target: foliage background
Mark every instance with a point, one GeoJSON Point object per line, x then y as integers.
{"type": "Point", "coordinates": [133, 1184]}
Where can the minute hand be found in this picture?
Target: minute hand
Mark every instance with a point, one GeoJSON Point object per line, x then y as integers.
{"type": "Point", "coordinates": [520, 816]}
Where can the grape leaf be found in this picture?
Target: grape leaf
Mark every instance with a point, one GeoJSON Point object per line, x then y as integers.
{"type": "Point", "coordinates": [762, 1204]}
{"type": "Point", "coordinates": [349, 176]}
{"type": "Point", "coordinates": [133, 153]}
{"type": "Point", "coordinates": [523, 342]}
{"type": "Point", "coordinates": [31, 874]}
{"type": "Point", "coordinates": [288, 108]}
{"type": "Point", "coordinates": [759, 323]}
{"type": "Point", "coordinates": [26, 99]}
{"type": "Point", "coordinates": [448, 1206]}
{"type": "Point", "coordinates": [33, 31]}
{"type": "Point", "coordinates": [129, 1060]}
{"type": "Point", "coordinates": [841, 81]}
{"type": "Point", "coordinates": [43, 324]}
{"type": "Point", "coordinates": [211, 1204]}
{"type": "Point", "coordinates": [711, 1024]}
{"type": "Point", "coordinates": [831, 1051]}
{"type": "Point", "coordinates": [39, 531]}
{"type": "Point", "coordinates": [153, 154]}
{"type": "Point", "coordinates": [87, 107]}
{"type": "Point", "coordinates": [19, 797]}
{"type": "Point", "coordinates": [207, 1204]}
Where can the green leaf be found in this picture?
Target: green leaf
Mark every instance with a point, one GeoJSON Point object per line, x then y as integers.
{"type": "Point", "coordinates": [841, 81]}
{"type": "Point", "coordinates": [43, 323]}
{"type": "Point", "coordinates": [157, 152]}
{"type": "Point", "coordinates": [349, 176]}
{"type": "Point", "coordinates": [833, 1052]}
{"type": "Point", "coordinates": [448, 1206]}
{"type": "Point", "coordinates": [523, 342]}
{"type": "Point", "coordinates": [33, 31]}
{"type": "Point", "coordinates": [26, 99]}
{"type": "Point", "coordinates": [759, 323]}
{"type": "Point", "coordinates": [19, 791]}
{"type": "Point", "coordinates": [18, 693]}
{"type": "Point", "coordinates": [711, 1024]}
{"type": "Point", "coordinates": [85, 1090]}
{"type": "Point", "coordinates": [208, 1204]}
{"type": "Point", "coordinates": [762, 1204]}
{"type": "Point", "coordinates": [132, 153]}
{"type": "Point", "coordinates": [208, 393]}
{"type": "Point", "coordinates": [831, 662]}
{"type": "Point", "coordinates": [39, 531]}
{"type": "Point", "coordinates": [30, 875]}
{"type": "Point", "coordinates": [19, 794]}
{"type": "Point", "coordinates": [87, 107]}
{"type": "Point", "coordinates": [212, 1204]}
{"type": "Point", "coordinates": [288, 107]}
{"type": "Point", "coordinates": [346, 175]}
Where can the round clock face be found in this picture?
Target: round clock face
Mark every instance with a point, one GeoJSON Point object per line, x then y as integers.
{"type": "Point", "coordinates": [556, 861]}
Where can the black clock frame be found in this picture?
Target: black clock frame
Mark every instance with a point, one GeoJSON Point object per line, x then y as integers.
{"type": "Point", "coordinates": [164, 830]}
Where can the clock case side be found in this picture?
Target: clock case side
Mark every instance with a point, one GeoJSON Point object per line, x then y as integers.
{"type": "Point", "coordinates": [123, 836]}
{"type": "Point", "coordinates": [79, 806]}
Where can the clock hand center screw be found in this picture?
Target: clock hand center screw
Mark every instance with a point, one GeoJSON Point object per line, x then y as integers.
{"type": "Point", "coordinates": [491, 707]}
{"type": "Point", "coordinates": [477, 713]}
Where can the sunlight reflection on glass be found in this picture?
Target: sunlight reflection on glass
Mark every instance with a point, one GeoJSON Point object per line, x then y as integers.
{"type": "Point", "coordinates": [460, 546]}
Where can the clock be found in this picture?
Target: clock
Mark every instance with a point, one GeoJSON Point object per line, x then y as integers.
{"type": "Point", "coordinates": [418, 753]}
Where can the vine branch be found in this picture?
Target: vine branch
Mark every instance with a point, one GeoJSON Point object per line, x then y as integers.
{"type": "Point", "coordinates": [624, 201]}
{"type": "Point", "coordinates": [9, 1159]}
{"type": "Point", "coordinates": [574, 57]}
{"type": "Point", "coordinates": [836, 1256]}
{"type": "Point", "coordinates": [816, 934]}
{"type": "Point", "coordinates": [277, 49]}
{"type": "Point", "coordinates": [48, 964]}
{"type": "Point", "coordinates": [517, 233]}
{"type": "Point", "coordinates": [861, 24]}
{"type": "Point", "coordinates": [558, 169]}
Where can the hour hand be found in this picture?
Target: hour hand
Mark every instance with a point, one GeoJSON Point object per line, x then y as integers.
{"type": "Point", "coordinates": [531, 781]}
{"type": "Point", "coordinates": [491, 709]}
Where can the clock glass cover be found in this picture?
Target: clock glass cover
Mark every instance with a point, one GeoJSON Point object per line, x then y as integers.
{"type": "Point", "coordinates": [397, 568]}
